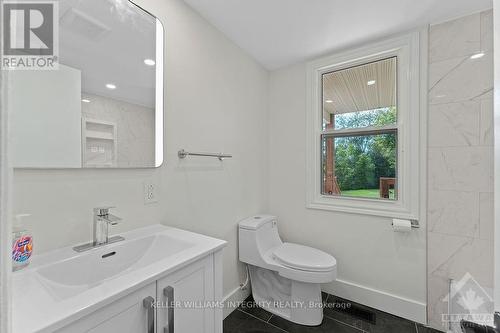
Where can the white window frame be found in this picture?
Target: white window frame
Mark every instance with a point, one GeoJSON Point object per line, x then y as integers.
{"type": "Point", "coordinates": [411, 144]}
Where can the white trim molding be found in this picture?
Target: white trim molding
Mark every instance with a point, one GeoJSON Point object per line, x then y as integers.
{"type": "Point", "coordinates": [407, 49]}
{"type": "Point", "coordinates": [232, 300]}
{"type": "Point", "coordinates": [402, 307]}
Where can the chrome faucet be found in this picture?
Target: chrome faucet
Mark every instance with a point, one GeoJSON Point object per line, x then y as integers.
{"type": "Point", "coordinates": [102, 220]}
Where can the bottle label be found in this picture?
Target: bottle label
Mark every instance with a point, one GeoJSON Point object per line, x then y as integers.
{"type": "Point", "coordinates": [22, 249]}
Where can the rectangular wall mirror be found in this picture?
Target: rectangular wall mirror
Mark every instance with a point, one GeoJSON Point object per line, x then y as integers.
{"type": "Point", "coordinates": [103, 106]}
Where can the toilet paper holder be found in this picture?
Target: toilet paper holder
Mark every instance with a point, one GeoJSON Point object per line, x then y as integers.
{"type": "Point", "coordinates": [414, 224]}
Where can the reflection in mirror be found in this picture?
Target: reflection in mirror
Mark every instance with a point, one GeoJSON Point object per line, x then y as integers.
{"type": "Point", "coordinates": [103, 106]}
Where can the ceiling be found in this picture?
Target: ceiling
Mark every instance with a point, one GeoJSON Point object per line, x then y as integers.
{"type": "Point", "coordinates": [108, 40]}
{"type": "Point", "coordinates": [366, 87]}
{"type": "Point", "coordinates": [282, 32]}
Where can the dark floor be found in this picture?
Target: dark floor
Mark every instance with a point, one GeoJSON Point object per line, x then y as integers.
{"type": "Point", "coordinates": [340, 316]}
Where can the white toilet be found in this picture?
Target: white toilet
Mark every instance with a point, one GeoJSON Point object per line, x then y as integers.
{"type": "Point", "coordinates": [285, 277]}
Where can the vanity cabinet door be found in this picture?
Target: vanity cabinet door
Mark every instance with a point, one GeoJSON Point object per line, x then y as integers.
{"type": "Point", "coordinates": [130, 314]}
{"type": "Point", "coordinates": [191, 290]}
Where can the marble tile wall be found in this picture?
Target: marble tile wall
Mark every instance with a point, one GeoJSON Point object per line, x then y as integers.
{"type": "Point", "coordinates": [460, 162]}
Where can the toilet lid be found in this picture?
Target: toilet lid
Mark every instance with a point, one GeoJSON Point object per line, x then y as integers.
{"type": "Point", "coordinates": [304, 258]}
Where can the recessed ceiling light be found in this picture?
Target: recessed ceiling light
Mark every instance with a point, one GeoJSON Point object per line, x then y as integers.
{"type": "Point", "coordinates": [149, 62]}
{"type": "Point", "coordinates": [84, 100]}
{"type": "Point", "coordinates": [477, 55]}
{"type": "Point", "coordinates": [371, 82]}
{"type": "Point", "coordinates": [110, 86]}
{"type": "Point", "coordinates": [328, 101]}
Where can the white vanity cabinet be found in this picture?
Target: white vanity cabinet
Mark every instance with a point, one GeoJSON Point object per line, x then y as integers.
{"type": "Point", "coordinates": [192, 290]}
{"type": "Point", "coordinates": [128, 314]}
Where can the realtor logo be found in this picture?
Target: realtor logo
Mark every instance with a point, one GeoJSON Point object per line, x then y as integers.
{"type": "Point", "coordinates": [468, 301]}
{"type": "Point", "coordinates": [30, 34]}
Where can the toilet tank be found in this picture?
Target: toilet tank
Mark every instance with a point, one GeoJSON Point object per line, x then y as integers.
{"type": "Point", "coordinates": [256, 235]}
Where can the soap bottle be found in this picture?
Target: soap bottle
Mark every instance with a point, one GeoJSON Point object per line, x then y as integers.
{"type": "Point", "coordinates": [22, 243]}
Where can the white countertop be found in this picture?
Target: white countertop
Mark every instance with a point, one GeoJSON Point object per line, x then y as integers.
{"type": "Point", "coordinates": [36, 309]}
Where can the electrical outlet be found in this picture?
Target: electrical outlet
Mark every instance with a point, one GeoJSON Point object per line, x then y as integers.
{"type": "Point", "coordinates": [150, 193]}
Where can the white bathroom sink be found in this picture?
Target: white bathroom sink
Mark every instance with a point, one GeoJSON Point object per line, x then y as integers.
{"type": "Point", "coordinates": [60, 286]}
{"type": "Point", "coordinates": [72, 276]}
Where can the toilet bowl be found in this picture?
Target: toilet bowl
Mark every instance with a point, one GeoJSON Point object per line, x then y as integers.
{"type": "Point", "coordinates": [286, 278]}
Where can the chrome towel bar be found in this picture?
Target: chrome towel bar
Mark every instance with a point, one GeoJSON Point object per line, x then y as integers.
{"type": "Point", "coordinates": [183, 154]}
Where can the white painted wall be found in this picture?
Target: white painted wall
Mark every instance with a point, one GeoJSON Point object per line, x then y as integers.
{"type": "Point", "coordinates": [216, 100]}
{"type": "Point", "coordinates": [376, 266]}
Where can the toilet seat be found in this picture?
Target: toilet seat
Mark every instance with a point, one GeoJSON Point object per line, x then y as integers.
{"type": "Point", "coordinates": [304, 258]}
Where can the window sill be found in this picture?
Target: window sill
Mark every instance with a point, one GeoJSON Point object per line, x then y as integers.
{"type": "Point", "coordinates": [362, 206]}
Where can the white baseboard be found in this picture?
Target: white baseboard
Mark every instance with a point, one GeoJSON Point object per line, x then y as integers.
{"type": "Point", "coordinates": [383, 301]}
{"type": "Point", "coordinates": [393, 304]}
{"type": "Point", "coordinates": [233, 300]}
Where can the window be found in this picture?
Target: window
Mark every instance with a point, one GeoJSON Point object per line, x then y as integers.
{"type": "Point", "coordinates": [359, 139]}
{"type": "Point", "coordinates": [364, 149]}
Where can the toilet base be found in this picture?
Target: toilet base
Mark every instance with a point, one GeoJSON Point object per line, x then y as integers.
{"type": "Point", "coordinates": [296, 301]}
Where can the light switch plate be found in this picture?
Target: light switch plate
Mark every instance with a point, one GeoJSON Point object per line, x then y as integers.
{"type": "Point", "coordinates": [150, 193]}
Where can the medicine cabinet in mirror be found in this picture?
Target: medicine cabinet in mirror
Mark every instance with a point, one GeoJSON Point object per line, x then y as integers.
{"type": "Point", "coordinates": [103, 106]}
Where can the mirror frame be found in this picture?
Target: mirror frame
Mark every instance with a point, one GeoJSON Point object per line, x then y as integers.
{"type": "Point", "coordinates": [159, 92]}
